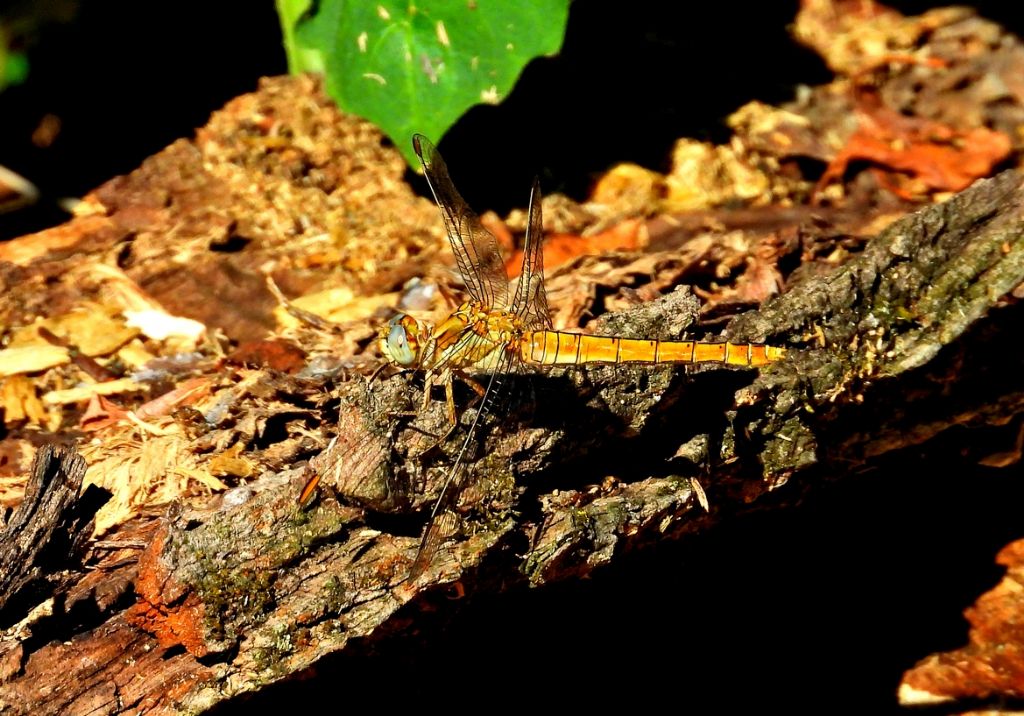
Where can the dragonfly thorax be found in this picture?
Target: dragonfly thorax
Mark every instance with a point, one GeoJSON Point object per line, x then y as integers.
{"type": "Point", "coordinates": [472, 336]}
{"type": "Point", "coordinates": [475, 336]}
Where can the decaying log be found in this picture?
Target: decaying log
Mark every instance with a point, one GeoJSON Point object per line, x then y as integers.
{"type": "Point", "coordinates": [47, 533]}
{"type": "Point", "coordinates": [252, 590]}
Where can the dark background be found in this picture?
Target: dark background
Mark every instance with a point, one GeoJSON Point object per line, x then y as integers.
{"type": "Point", "coordinates": [819, 609]}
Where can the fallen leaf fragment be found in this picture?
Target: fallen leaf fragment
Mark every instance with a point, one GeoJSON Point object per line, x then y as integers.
{"type": "Point", "coordinates": [232, 462]}
{"type": "Point", "coordinates": [853, 35]}
{"type": "Point", "coordinates": [140, 473]}
{"type": "Point", "coordinates": [189, 392]}
{"type": "Point", "coordinates": [68, 396]}
{"type": "Point", "coordinates": [19, 401]}
{"type": "Point", "coordinates": [31, 359]}
{"type": "Point", "coordinates": [630, 189]}
{"type": "Point", "coordinates": [203, 477]}
{"type": "Point", "coordinates": [991, 665]}
{"type": "Point", "coordinates": [338, 305]}
{"type": "Point", "coordinates": [938, 157]}
{"type": "Point", "coordinates": [277, 354]}
{"type": "Point", "coordinates": [92, 328]}
{"type": "Point", "coordinates": [100, 413]}
{"type": "Point", "coordinates": [560, 249]}
{"type": "Point", "coordinates": [704, 176]}
{"type": "Point", "coordinates": [160, 325]}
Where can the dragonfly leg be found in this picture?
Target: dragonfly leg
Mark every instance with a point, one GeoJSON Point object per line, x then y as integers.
{"type": "Point", "coordinates": [443, 378]}
{"type": "Point", "coordinates": [473, 383]}
{"type": "Point", "coordinates": [446, 377]}
{"type": "Point", "coordinates": [449, 397]}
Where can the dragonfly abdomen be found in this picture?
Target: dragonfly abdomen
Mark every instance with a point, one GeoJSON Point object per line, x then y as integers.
{"type": "Point", "coordinates": [558, 348]}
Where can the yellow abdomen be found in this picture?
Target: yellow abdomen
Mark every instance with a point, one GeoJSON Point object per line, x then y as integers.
{"type": "Point", "coordinates": [557, 348]}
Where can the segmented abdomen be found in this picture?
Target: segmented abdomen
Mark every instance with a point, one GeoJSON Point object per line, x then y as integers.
{"type": "Point", "coordinates": [557, 348]}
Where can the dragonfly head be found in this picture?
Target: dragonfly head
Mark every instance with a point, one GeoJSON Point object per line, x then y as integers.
{"type": "Point", "coordinates": [399, 340]}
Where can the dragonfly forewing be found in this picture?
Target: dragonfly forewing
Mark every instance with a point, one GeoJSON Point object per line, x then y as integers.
{"type": "Point", "coordinates": [531, 301]}
{"type": "Point", "coordinates": [476, 250]}
{"type": "Point", "coordinates": [444, 519]}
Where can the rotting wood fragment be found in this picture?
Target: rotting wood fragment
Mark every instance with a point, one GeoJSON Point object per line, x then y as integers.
{"type": "Point", "coordinates": [47, 533]}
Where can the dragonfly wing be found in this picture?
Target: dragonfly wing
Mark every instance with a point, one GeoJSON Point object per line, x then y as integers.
{"type": "Point", "coordinates": [444, 518]}
{"type": "Point", "coordinates": [531, 300]}
{"type": "Point", "coordinates": [475, 248]}
{"type": "Point", "coordinates": [443, 525]}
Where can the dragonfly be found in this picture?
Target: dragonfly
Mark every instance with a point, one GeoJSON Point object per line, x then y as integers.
{"type": "Point", "coordinates": [498, 330]}
{"type": "Point", "coordinates": [502, 330]}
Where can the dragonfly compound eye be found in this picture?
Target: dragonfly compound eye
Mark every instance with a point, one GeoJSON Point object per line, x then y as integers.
{"type": "Point", "coordinates": [399, 345]}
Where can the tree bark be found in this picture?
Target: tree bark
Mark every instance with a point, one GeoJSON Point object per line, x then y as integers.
{"type": "Point", "coordinates": [47, 533]}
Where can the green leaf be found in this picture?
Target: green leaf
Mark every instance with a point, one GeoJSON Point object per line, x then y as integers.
{"type": "Point", "coordinates": [300, 59]}
{"type": "Point", "coordinates": [15, 69]}
{"type": "Point", "coordinates": [417, 68]}
{"type": "Point", "coordinates": [13, 65]}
